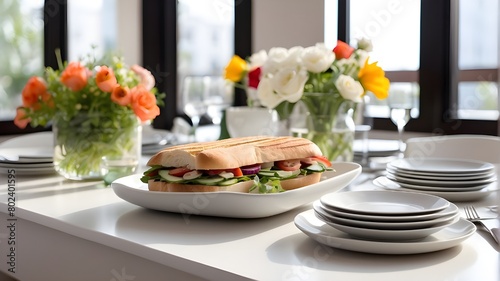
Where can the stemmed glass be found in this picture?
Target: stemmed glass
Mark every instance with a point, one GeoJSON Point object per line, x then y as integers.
{"type": "Point", "coordinates": [401, 102]}
{"type": "Point", "coordinates": [195, 90]}
{"type": "Point", "coordinates": [219, 97]}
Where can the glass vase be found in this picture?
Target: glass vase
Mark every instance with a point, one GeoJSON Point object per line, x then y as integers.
{"type": "Point", "coordinates": [329, 124]}
{"type": "Point", "coordinates": [82, 143]}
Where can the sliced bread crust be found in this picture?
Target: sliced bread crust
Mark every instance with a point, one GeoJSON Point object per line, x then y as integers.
{"type": "Point", "coordinates": [235, 152]}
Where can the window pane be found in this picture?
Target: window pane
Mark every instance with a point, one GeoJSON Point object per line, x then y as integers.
{"type": "Point", "coordinates": [478, 99]}
{"type": "Point", "coordinates": [393, 27]}
{"type": "Point", "coordinates": [21, 42]}
{"type": "Point", "coordinates": [91, 23]}
{"type": "Point", "coordinates": [205, 38]}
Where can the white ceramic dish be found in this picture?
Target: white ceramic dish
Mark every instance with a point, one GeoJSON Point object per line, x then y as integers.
{"type": "Point", "coordinates": [438, 188]}
{"type": "Point", "coordinates": [436, 166]}
{"type": "Point", "coordinates": [26, 154]}
{"type": "Point", "coordinates": [28, 171]}
{"type": "Point", "coordinates": [452, 209]}
{"type": "Point", "coordinates": [442, 183]}
{"type": "Point", "coordinates": [425, 176]}
{"type": "Point", "coordinates": [384, 225]}
{"type": "Point", "coordinates": [384, 202]}
{"type": "Point", "coordinates": [232, 204]}
{"type": "Point", "coordinates": [449, 237]}
{"type": "Point", "coordinates": [388, 234]}
{"type": "Point", "coordinates": [41, 139]}
{"type": "Point", "coordinates": [454, 196]}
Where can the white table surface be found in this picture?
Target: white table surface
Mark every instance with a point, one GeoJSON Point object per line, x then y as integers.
{"type": "Point", "coordinates": [65, 216]}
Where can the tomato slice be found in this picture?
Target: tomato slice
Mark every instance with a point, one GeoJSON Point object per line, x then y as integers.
{"type": "Point", "coordinates": [178, 172]}
{"type": "Point", "coordinates": [237, 172]}
{"type": "Point", "coordinates": [323, 160]}
{"type": "Point", "coordinates": [288, 165]}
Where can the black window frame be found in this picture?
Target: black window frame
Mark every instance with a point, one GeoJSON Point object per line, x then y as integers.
{"type": "Point", "coordinates": [438, 75]}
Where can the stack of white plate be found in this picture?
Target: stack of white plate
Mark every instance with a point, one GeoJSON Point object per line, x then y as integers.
{"type": "Point", "coordinates": [382, 215]}
{"type": "Point", "coordinates": [29, 154]}
{"type": "Point", "coordinates": [453, 179]}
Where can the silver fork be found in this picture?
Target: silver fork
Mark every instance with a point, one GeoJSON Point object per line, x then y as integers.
{"type": "Point", "coordinates": [473, 216]}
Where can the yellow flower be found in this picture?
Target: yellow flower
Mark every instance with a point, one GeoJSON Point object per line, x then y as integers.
{"type": "Point", "coordinates": [235, 69]}
{"type": "Point", "coordinates": [373, 79]}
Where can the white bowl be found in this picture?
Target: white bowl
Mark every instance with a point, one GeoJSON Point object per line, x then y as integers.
{"type": "Point", "coordinates": [244, 121]}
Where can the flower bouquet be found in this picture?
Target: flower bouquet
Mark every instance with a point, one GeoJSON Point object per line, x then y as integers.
{"type": "Point", "coordinates": [327, 82]}
{"type": "Point", "coordinates": [95, 109]}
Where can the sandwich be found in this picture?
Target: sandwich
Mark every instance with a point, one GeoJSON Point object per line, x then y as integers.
{"type": "Point", "coordinates": [259, 164]}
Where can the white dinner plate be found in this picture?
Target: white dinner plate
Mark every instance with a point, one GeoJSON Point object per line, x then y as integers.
{"type": "Point", "coordinates": [382, 202]}
{"type": "Point", "coordinates": [449, 237]}
{"type": "Point", "coordinates": [442, 183]}
{"type": "Point", "coordinates": [435, 166]}
{"type": "Point", "coordinates": [458, 196]}
{"type": "Point", "coordinates": [26, 154]}
{"type": "Point", "coordinates": [425, 176]}
{"type": "Point", "coordinates": [233, 204]}
{"type": "Point", "coordinates": [41, 139]}
{"type": "Point", "coordinates": [384, 225]}
{"type": "Point", "coordinates": [438, 188]}
{"type": "Point", "coordinates": [452, 209]}
{"type": "Point", "coordinates": [387, 234]}
{"type": "Point", "coordinates": [28, 171]}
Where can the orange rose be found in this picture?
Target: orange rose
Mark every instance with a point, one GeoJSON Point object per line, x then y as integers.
{"type": "Point", "coordinates": [144, 103]}
{"type": "Point", "coordinates": [33, 92]}
{"type": "Point", "coordinates": [342, 50]}
{"type": "Point", "coordinates": [75, 76]}
{"type": "Point", "coordinates": [147, 79]}
{"type": "Point", "coordinates": [105, 79]}
{"type": "Point", "coordinates": [21, 120]}
{"type": "Point", "coordinates": [121, 95]}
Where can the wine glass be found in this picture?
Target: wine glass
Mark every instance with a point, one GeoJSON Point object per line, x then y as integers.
{"type": "Point", "coordinates": [401, 102]}
{"type": "Point", "coordinates": [194, 92]}
{"type": "Point", "coordinates": [219, 97]}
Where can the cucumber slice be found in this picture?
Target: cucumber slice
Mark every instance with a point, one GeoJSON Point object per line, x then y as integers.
{"type": "Point", "coordinates": [164, 174]}
{"type": "Point", "coordinates": [267, 173]}
{"type": "Point", "coordinates": [228, 182]}
{"type": "Point", "coordinates": [315, 168]}
{"type": "Point", "coordinates": [284, 174]}
{"type": "Point", "coordinates": [209, 181]}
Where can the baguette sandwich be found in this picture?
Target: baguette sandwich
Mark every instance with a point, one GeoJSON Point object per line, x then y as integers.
{"type": "Point", "coordinates": [259, 164]}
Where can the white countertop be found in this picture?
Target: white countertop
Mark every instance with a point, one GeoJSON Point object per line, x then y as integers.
{"type": "Point", "coordinates": [220, 248]}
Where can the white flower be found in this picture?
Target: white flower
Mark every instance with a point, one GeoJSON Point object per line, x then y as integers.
{"type": "Point", "coordinates": [349, 88]}
{"type": "Point", "coordinates": [317, 58]}
{"type": "Point", "coordinates": [275, 58]}
{"type": "Point", "coordinates": [257, 59]}
{"type": "Point", "coordinates": [365, 44]}
{"type": "Point", "coordinates": [289, 83]}
{"type": "Point", "coordinates": [266, 94]}
{"type": "Point", "coordinates": [279, 58]}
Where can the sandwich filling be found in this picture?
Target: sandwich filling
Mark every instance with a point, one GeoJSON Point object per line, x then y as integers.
{"type": "Point", "coordinates": [266, 177]}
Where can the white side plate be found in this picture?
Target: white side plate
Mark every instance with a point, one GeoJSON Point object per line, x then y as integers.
{"type": "Point", "coordinates": [384, 202]}
{"type": "Point", "coordinates": [448, 237]}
